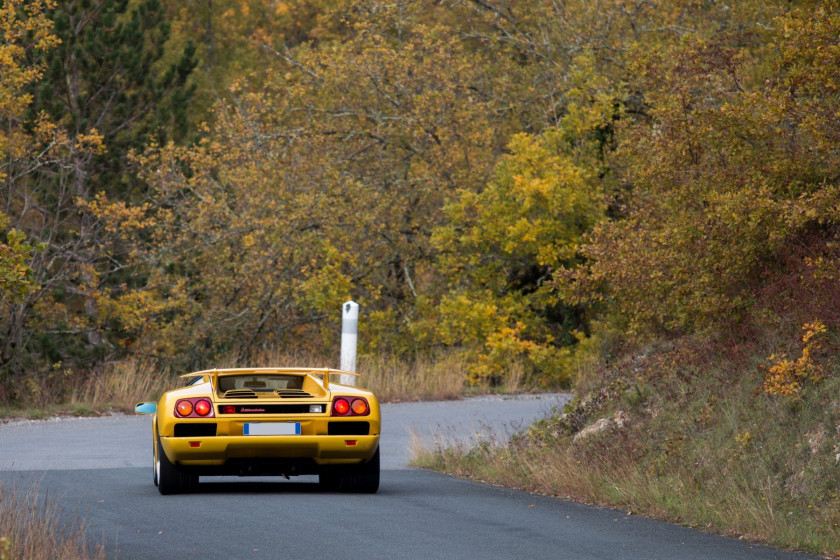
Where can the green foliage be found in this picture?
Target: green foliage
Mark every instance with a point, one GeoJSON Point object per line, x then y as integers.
{"type": "Point", "coordinates": [500, 246]}
{"type": "Point", "coordinates": [109, 73]}
{"type": "Point", "coordinates": [87, 84]}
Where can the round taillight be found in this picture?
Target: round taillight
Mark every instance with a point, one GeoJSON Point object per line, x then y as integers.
{"type": "Point", "coordinates": [341, 406]}
{"type": "Point", "coordinates": [359, 407]}
{"type": "Point", "coordinates": [184, 408]}
{"type": "Point", "coordinates": [202, 408]}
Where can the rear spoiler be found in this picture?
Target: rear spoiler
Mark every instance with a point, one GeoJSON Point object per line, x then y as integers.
{"type": "Point", "coordinates": [325, 373]}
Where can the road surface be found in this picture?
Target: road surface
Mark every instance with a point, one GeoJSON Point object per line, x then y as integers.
{"type": "Point", "coordinates": [101, 469]}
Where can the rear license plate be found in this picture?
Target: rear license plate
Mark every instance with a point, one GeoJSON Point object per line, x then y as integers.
{"type": "Point", "coordinates": [271, 429]}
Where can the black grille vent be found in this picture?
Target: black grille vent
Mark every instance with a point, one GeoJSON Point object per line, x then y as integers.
{"type": "Point", "coordinates": [240, 394]}
{"type": "Point", "coordinates": [348, 428]}
{"type": "Point", "coordinates": [195, 430]}
{"type": "Point", "coordinates": [292, 394]}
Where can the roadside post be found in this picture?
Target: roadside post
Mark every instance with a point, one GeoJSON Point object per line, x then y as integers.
{"type": "Point", "coordinates": [349, 339]}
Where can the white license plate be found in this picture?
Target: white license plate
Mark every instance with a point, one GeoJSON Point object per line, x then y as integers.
{"type": "Point", "coordinates": [271, 429]}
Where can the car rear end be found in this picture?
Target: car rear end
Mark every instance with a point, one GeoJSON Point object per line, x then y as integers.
{"type": "Point", "coordinates": [268, 422]}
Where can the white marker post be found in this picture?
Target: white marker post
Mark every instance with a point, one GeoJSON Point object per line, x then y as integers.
{"type": "Point", "coordinates": [349, 338]}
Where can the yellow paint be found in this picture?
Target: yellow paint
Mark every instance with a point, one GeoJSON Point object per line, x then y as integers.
{"type": "Point", "coordinates": [312, 443]}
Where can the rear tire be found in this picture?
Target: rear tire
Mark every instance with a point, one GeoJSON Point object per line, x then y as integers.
{"type": "Point", "coordinates": [155, 463]}
{"type": "Point", "coordinates": [329, 481]}
{"type": "Point", "coordinates": [171, 479]}
{"type": "Point", "coordinates": [363, 479]}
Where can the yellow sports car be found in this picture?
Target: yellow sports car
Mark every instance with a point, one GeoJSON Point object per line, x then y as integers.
{"type": "Point", "coordinates": [265, 421]}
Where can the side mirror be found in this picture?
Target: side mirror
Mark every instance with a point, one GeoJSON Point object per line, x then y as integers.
{"type": "Point", "coordinates": [146, 408]}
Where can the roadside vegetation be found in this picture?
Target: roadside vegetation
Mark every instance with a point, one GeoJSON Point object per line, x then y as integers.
{"type": "Point", "coordinates": [33, 527]}
{"type": "Point", "coordinates": [117, 387]}
{"type": "Point", "coordinates": [686, 434]}
{"type": "Point", "coordinates": [710, 394]}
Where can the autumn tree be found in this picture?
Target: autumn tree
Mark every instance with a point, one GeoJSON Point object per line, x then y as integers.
{"type": "Point", "coordinates": [388, 146]}
{"type": "Point", "coordinates": [25, 28]}
{"type": "Point", "coordinates": [737, 169]}
{"type": "Point", "coordinates": [324, 186]}
{"type": "Point", "coordinates": [237, 41]}
{"type": "Point", "coordinates": [96, 89]}
{"type": "Point", "coordinates": [500, 247]}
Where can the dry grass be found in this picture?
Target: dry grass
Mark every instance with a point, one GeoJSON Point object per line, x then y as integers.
{"type": "Point", "coordinates": [392, 379]}
{"type": "Point", "coordinates": [113, 387]}
{"type": "Point", "coordinates": [32, 527]}
{"type": "Point", "coordinates": [730, 505]}
{"type": "Point", "coordinates": [389, 377]}
{"type": "Point", "coordinates": [118, 386]}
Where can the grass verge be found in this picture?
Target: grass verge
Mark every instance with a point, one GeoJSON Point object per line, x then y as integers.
{"type": "Point", "coordinates": [32, 527]}
{"type": "Point", "coordinates": [689, 438]}
{"type": "Point", "coordinates": [118, 386]}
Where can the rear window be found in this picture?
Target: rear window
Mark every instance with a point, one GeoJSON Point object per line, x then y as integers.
{"type": "Point", "coordinates": [261, 382]}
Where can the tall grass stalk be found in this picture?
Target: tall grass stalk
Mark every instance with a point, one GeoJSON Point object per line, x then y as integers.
{"type": "Point", "coordinates": [121, 385]}
{"type": "Point", "coordinates": [393, 379]}
{"type": "Point", "coordinates": [32, 527]}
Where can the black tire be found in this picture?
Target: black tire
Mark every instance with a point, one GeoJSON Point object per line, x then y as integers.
{"type": "Point", "coordinates": [154, 462]}
{"type": "Point", "coordinates": [363, 479]}
{"type": "Point", "coordinates": [171, 479]}
{"type": "Point", "coordinates": [329, 481]}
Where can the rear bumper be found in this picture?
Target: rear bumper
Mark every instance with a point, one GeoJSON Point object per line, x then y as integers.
{"type": "Point", "coordinates": [216, 451]}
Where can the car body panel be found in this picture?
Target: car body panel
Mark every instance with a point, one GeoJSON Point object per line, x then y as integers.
{"type": "Point", "coordinates": [216, 444]}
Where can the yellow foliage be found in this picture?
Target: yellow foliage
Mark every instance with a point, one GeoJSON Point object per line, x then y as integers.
{"type": "Point", "coordinates": [785, 377]}
{"type": "Point", "coordinates": [16, 279]}
{"type": "Point", "coordinates": [500, 246]}
{"type": "Point", "coordinates": [118, 217]}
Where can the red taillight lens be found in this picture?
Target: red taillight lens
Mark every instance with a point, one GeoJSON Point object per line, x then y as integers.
{"type": "Point", "coordinates": [341, 406]}
{"type": "Point", "coordinates": [228, 409]}
{"type": "Point", "coordinates": [184, 408]}
{"type": "Point", "coordinates": [203, 408]}
{"type": "Point", "coordinates": [359, 407]}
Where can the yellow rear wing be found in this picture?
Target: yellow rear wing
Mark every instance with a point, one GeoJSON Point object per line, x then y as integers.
{"type": "Point", "coordinates": [325, 373]}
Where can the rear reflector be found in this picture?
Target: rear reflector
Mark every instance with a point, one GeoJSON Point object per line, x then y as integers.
{"type": "Point", "coordinates": [195, 444]}
{"type": "Point", "coordinates": [228, 409]}
{"type": "Point", "coordinates": [350, 442]}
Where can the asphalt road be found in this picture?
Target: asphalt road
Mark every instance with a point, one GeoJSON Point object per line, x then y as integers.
{"type": "Point", "coordinates": [101, 469]}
